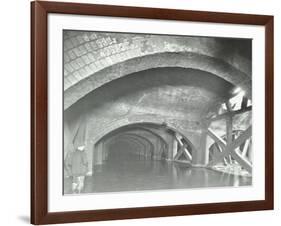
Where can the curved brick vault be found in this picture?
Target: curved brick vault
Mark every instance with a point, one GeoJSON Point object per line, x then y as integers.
{"type": "Point", "coordinates": [141, 144]}
{"type": "Point", "coordinates": [146, 130]}
{"type": "Point", "coordinates": [153, 96]}
{"type": "Point", "coordinates": [164, 89]}
{"type": "Point", "coordinates": [94, 59]}
{"type": "Point", "coordinates": [158, 136]}
{"type": "Point", "coordinates": [146, 145]}
{"type": "Point", "coordinates": [189, 134]}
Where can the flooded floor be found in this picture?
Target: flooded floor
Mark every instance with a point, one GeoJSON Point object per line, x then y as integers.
{"type": "Point", "coordinates": [133, 174]}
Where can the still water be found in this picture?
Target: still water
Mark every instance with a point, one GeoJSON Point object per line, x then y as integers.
{"type": "Point", "coordinates": [135, 174]}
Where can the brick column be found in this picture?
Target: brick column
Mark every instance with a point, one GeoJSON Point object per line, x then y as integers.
{"type": "Point", "coordinates": [89, 151]}
{"type": "Point", "coordinates": [200, 155]}
{"type": "Point", "coordinates": [98, 156]}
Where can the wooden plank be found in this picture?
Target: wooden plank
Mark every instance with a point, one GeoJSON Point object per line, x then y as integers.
{"type": "Point", "coordinates": [231, 113]}
{"type": "Point", "coordinates": [216, 151]}
{"type": "Point", "coordinates": [231, 147]}
{"type": "Point", "coordinates": [242, 138]}
{"type": "Point", "coordinates": [244, 103]}
{"type": "Point", "coordinates": [242, 161]}
{"type": "Point", "coordinates": [229, 131]}
{"type": "Point", "coordinates": [179, 153]}
{"type": "Point", "coordinates": [183, 149]}
{"type": "Point", "coordinates": [179, 139]}
{"type": "Point", "coordinates": [245, 148]}
{"type": "Point", "coordinates": [250, 153]}
{"type": "Point", "coordinates": [187, 154]}
{"type": "Point", "coordinates": [216, 138]}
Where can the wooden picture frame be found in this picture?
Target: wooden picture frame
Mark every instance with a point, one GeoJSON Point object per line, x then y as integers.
{"type": "Point", "coordinates": [39, 112]}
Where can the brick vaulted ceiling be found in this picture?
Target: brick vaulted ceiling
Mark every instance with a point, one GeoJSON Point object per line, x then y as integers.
{"type": "Point", "coordinates": [92, 59]}
{"type": "Point", "coordinates": [114, 80]}
{"type": "Point", "coordinates": [175, 96]}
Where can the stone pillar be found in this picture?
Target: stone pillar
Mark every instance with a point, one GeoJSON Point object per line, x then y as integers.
{"type": "Point", "coordinates": [89, 151]}
{"type": "Point", "coordinates": [203, 148]}
{"type": "Point", "coordinates": [169, 141]}
{"type": "Point", "coordinates": [229, 130]}
{"type": "Point", "coordinates": [146, 152]}
{"type": "Point", "coordinates": [200, 154]}
{"type": "Point", "coordinates": [250, 152]}
{"type": "Point", "coordinates": [157, 152]}
{"type": "Point", "coordinates": [98, 156]}
{"type": "Point", "coordinates": [67, 139]}
{"type": "Point", "coordinates": [104, 152]}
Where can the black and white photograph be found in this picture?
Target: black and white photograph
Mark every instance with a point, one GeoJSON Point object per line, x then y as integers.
{"type": "Point", "coordinates": [151, 112]}
{"type": "Point", "coordinates": [147, 112]}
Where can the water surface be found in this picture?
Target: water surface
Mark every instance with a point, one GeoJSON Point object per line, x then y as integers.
{"type": "Point", "coordinates": [134, 174]}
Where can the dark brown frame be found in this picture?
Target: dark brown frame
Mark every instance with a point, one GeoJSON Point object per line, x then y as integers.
{"type": "Point", "coordinates": [39, 107]}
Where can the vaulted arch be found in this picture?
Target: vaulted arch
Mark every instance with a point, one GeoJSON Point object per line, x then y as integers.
{"type": "Point", "coordinates": [187, 60]}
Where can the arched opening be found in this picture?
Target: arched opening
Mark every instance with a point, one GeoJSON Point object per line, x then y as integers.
{"type": "Point", "coordinates": [123, 158]}
{"type": "Point", "coordinates": [192, 61]}
{"type": "Point", "coordinates": [151, 141]}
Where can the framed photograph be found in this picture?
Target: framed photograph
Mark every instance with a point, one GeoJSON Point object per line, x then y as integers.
{"type": "Point", "coordinates": [146, 112]}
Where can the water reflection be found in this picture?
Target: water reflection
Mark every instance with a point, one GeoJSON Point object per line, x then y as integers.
{"type": "Point", "coordinates": [135, 174]}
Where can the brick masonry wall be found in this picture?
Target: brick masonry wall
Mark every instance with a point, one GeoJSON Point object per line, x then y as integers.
{"type": "Point", "coordinates": [92, 60]}
{"type": "Point", "coordinates": [87, 54]}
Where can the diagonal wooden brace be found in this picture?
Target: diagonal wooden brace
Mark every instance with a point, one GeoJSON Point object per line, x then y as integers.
{"type": "Point", "coordinates": [230, 148]}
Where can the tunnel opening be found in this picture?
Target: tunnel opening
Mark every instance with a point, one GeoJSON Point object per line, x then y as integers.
{"type": "Point", "coordinates": [142, 156]}
{"type": "Point", "coordinates": [140, 141]}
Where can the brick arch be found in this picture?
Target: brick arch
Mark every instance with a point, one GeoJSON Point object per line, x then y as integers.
{"type": "Point", "coordinates": [153, 133]}
{"type": "Point", "coordinates": [132, 130]}
{"type": "Point", "coordinates": [86, 52]}
{"type": "Point", "coordinates": [134, 127]}
{"type": "Point", "coordinates": [137, 138]}
{"type": "Point", "coordinates": [189, 60]}
{"type": "Point", "coordinates": [145, 121]}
